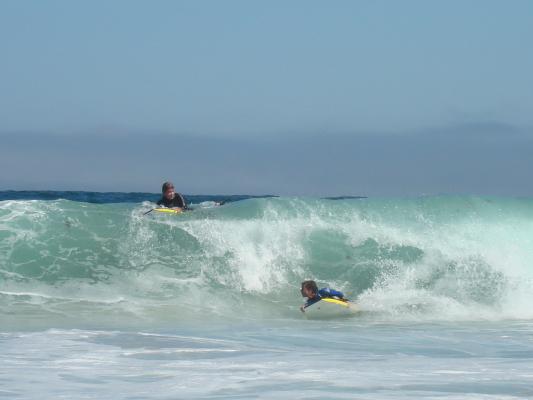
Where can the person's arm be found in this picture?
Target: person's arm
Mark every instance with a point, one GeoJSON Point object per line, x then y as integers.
{"type": "Point", "coordinates": [180, 200]}
{"type": "Point", "coordinates": [310, 302]}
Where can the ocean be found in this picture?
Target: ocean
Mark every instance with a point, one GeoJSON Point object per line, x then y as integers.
{"type": "Point", "coordinates": [99, 300]}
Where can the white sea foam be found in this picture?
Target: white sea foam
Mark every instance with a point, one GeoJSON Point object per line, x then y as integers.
{"type": "Point", "coordinates": [411, 259]}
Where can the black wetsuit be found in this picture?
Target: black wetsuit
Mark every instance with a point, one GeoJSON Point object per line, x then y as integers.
{"type": "Point", "coordinates": [177, 201]}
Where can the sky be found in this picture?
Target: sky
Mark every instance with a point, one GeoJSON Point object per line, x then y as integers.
{"type": "Point", "coordinates": [312, 98]}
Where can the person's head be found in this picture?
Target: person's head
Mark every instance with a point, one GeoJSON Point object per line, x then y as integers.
{"type": "Point", "coordinates": [168, 190]}
{"type": "Point", "coordinates": [309, 289]}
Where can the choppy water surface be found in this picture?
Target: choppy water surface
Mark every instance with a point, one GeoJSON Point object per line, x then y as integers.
{"type": "Point", "coordinates": [100, 301]}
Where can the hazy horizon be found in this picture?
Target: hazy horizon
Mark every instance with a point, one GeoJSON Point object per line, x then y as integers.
{"type": "Point", "coordinates": [301, 98]}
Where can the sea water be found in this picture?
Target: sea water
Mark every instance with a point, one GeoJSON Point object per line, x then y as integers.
{"type": "Point", "coordinates": [99, 301]}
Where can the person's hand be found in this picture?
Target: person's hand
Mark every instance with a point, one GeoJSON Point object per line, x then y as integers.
{"type": "Point", "coordinates": [302, 309]}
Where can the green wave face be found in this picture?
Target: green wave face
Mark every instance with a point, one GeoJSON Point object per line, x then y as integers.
{"type": "Point", "coordinates": [74, 263]}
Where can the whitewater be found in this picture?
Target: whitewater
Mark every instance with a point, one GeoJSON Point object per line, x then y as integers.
{"type": "Point", "coordinates": [100, 301]}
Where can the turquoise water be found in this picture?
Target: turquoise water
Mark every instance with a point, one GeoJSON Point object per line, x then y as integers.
{"type": "Point", "coordinates": [101, 300]}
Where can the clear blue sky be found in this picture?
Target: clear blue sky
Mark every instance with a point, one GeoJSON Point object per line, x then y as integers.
{"type": "Point", "coordinates": [286, 97]}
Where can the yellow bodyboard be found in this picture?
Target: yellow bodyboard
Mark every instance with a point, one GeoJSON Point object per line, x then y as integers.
{"type": "Point", "coordinates": [168, 210]}
{"type": "Point", "coordinates": [336, 301]}
{"type": "Point", "coordinates": [331, 308]}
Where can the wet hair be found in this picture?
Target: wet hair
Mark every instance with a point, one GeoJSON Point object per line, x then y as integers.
{"type": "Point", "coordinates": [310, 285]}
{"type": "Point", "coordinates": [166, 186]}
